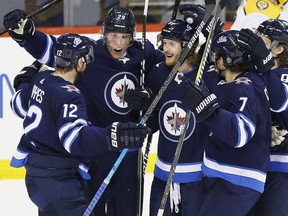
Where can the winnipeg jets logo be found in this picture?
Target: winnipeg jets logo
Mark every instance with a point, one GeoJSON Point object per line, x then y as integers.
{"type": "Point", "coordinates": [244, 80]}
{"type": "Point", "coordinates": [175, 120]}
{"type": "Point", "coordinates": [71, 88]}
{"type": "Point", "coordinates": [124, 60]}
{"type": "Point", "coordinates": [115, 91]}
{"type": "Point", "coordinates": [172, 119]}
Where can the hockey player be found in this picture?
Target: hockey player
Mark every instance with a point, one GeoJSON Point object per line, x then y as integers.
{"type": "Point", "coordinates": [251, 13]}
{"type": "Point", "coordinates": [274, 200]}
{"type": "Point", "coordinates": [116, 69]}
{"type": "Point", "coordinates": [58, 137]}
{"type": "Point", "coordinates": [236, 155]}
{"type": "Point", "coordinates": [186, 190]}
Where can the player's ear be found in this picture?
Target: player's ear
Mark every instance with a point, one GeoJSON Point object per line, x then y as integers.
{"type": "Point", "coordinates": [221, 64]}
{"type": "Point", "coordinates": [278, 50]}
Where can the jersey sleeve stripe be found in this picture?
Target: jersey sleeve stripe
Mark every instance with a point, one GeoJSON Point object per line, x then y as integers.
{"type": "Point", "coordinates": [246, 130]}
{"type": "Point", "coordinates": [65, 128]}
{"type": "Point", "coordinates": [16, 105]}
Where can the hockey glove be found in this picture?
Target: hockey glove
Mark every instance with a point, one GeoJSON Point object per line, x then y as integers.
{"type": "Point", "coordinates": [18, 27]}
{"type": "Point", "coordinates": [26, 74]}
{"type": "Point", "coordinates": [199, 100]}
{"type": "Point", "coordinates": [207, 28]}
{"type": "Point", "coordinates": [193, 14]}
{"type": "Point", "coordinates": [278, 136]}
{"type": "Point", "coordinates": [139, 99]}
{"type": "Point", "coordinates": [253, 44]}
{"type": "Point", "coordinates": [125, 135]}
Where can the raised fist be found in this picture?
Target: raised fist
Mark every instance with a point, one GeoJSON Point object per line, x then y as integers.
{"type": "Point", "coordinates": [18, 26]}
{"type": "Point", "coordinates": [193, 14]}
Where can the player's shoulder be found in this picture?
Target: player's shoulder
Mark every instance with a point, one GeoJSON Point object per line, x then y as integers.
{"type": "Point", "coordinates": [55, 84]}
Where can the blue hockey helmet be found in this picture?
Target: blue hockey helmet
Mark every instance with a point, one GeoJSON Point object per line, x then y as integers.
{"type": "Point", "coordinates": [225, 45]}
{"type": "Point", "coordinates": [285, 23]}
{"type": "Point", "coordinates": [178, 30]}
{"type": "Point", "coordinates": [275, 30]}
{"type": "Point", "coordinates": [71, 47]}
{"type": "Point", "coordinates": [121, 20]}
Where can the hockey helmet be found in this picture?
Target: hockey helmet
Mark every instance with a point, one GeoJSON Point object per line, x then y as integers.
{"type": "Point", "coordinates": [225, 45]}
{"type": "Point", "coordinates": [178, 30]}
{"type": "Point", "coordinates": [275, 30]}
{"type": "Point", "coordinates": [70, 47]}
{"type": "Point", "coordinates": [121, 20]}
{"type": "Point", "coordinates": [285, 23]}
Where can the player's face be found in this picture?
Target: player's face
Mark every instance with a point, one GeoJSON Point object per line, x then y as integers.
{"type": "Point", "coordinates": [172, 50]}
{"type": "Point", "coordinates": [117, 43]}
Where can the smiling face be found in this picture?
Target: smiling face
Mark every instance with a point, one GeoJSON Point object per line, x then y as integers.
{"type": "Point", "coordinates": [117, 43]}
{"type": "Point", "coordinates": [172, 50]}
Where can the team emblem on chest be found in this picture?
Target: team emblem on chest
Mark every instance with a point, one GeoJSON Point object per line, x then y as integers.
{"type": "Point", "coordinates": [115, 91]}
{"type": "Point", "coordinates": [171, 120]}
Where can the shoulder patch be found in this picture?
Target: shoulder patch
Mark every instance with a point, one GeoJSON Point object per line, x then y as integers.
{"type": "Point", "coordinates": [244, 80]}
{"type": "Point", "coordinates": [71, 88]}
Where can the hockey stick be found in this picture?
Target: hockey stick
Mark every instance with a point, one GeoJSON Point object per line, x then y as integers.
{"type": "Point", "coordinates": [175, 9]}
{"type": "Point", "coordinates": [35, 13]}
{"type": "Point", "coordinates": [150, 109]}
{"type": "Point", "coordinates": [140, 173]}
{"type": "Point", "coordinates": [211, 26]}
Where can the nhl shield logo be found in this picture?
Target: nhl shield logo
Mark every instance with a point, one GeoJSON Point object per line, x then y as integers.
{"type": "Point", "coordinates": [115, 91]}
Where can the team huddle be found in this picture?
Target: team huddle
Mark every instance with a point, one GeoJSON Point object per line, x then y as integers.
{"type": "Point", "coordinates": [80, 116]}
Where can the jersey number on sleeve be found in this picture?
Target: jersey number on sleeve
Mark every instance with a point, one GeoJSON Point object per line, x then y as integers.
{"type": "Point", "coordinates": [244, 101]}
{"type": "Point", "coordinates": [69, 110]}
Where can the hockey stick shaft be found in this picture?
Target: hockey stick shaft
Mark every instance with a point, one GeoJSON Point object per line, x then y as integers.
{"type": "Point", "coordinates": [149, 111]}
{"type": "Point", "coordinates": [140, 175]}
{"type": "Point", "coordinates": [175, 9]}
{"type": "Point", "coordinates": [173, 166]}
{"type": "Point", "coordinates": [105, 183]}
{"type": "Point", "coordinates": [189, 113]}
{"type": "Point", "coordinates": [35, 13]}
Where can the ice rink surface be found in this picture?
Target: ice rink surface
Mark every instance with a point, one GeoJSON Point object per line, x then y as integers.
{"type": "Point", "coordinates": [14, 200]}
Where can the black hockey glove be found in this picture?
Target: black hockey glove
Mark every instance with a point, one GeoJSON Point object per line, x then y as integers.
{"type": "Point", "coordinates": [125, 135]}
{"type": "Point", "coordinates": [139, 99]}
{"type": "Point", "coordinates": [207, 27]}
{"type": "Point", "coordinates": [18, 27]}
{"type": "Point", "coordinates": [199, 100]}
{"type": "Point", "coordinates": [253, 44]}
{"type": "Point", "coordinates": [193, 14]}
{"type": "Point", "coordinates": [26, 74]}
